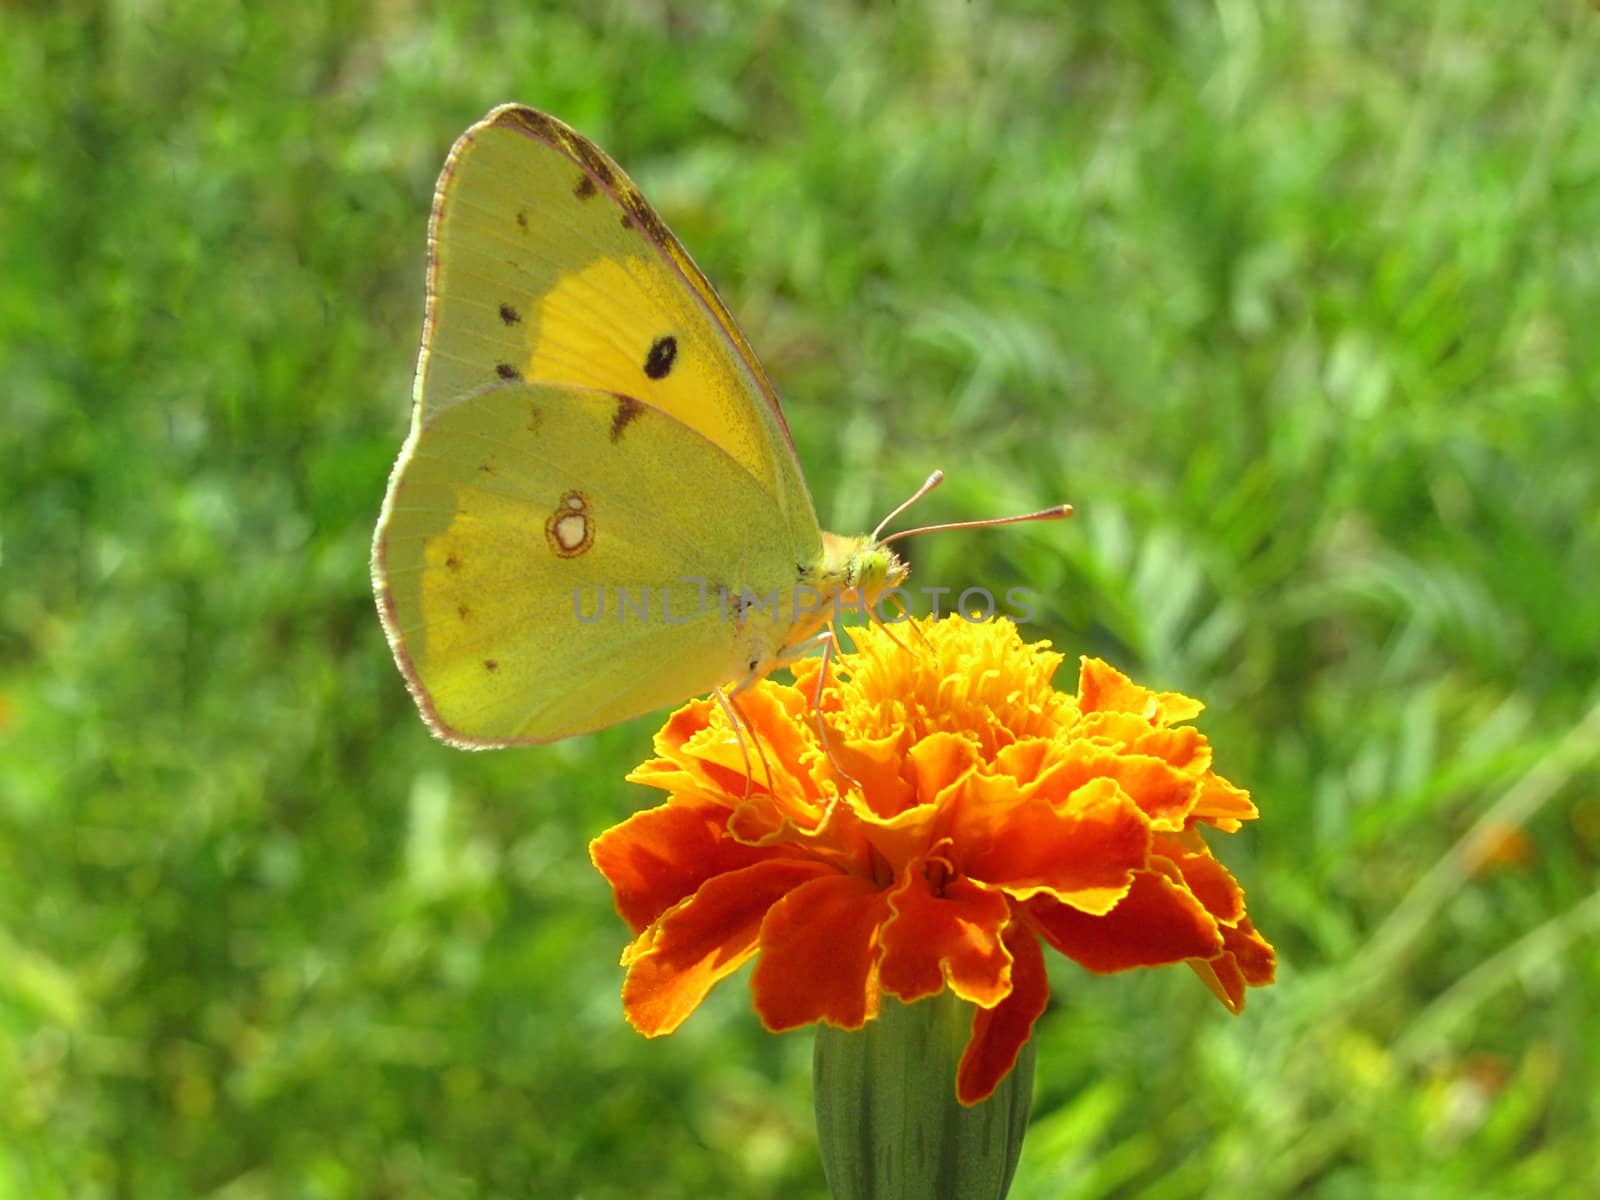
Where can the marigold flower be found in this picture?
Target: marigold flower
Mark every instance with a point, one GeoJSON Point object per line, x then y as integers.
{"type": "Point", "coordinates": [984, 813]}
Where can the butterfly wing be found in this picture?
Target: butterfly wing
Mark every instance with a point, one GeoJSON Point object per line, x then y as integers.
{"type": "Point", "coordinates": [554, 559]}
{"type": "Point", "coordinates": [547, 265]}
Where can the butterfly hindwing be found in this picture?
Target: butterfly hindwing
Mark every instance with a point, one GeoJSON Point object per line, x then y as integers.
{"type": "Point", "coordinates": [537, 573]}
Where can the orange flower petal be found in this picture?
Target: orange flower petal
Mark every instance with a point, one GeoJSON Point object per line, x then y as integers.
{"type": "Point", "coordinates": [777, 747]}
{"type": "Point", "coordinates": [1223, 804]}
{"type": "Point", "coordinates": [1026, 760]}
{"type": "Point", "coordinates": [1206, 878]}
{"type": "Point", "coordinates": [1223, 979]}
{"type": "Point", "coordinates": [1175, 707]}
{"type": "Point", "coordinates": [709, 936]}
{"type": "Point", "coordinates": [998, 1033]}
{"type": "Point", "coordinates": [1165, 794]}
{"type": "Point", "coordinates": [1185, 748]}
{"type": "Point", "coordinates": [657, 857]}
{"type": "Point", "coordinates": [682, 726]}
{"type": "Point", "coordinates": [876, 763]}
{"type": "Point", "coordinates": [1157, 922]}
{"type": "Point", "coordinates": [937, 762]}
{"type": "Point", "coordinates": [949, 935]}
{"type": "Point", "coordinates": [819, 952]}
{"type": "Point", "coordinates": [1083, 851]}
{"type": "Point", "coordinates": [1248, 961]}
{"type": "Point", "coordinates": [1257, 959]}
{"type": "Point", "coordinates": [1103, 688]}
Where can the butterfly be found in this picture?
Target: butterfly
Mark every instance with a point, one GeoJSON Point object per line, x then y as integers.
{"type": "Point", "coordinates": [598, 511]}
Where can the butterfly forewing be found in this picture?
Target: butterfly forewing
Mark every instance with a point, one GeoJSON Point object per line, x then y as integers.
{"type": "Point", "coordinates": [547, 265]}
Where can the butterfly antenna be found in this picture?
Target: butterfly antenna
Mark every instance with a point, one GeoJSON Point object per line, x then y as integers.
{"type": "Point", "coordinates": [1058, 512]}
{"type": "Point", "coordinates": [929, 484]}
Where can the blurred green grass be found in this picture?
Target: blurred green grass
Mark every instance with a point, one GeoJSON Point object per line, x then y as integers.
{"type": "Point", "coordinates": [1289, 300]}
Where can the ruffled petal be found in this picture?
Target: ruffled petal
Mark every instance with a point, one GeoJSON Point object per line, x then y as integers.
{"type": "Point", "coordinates": [1163, 793]}
{"type": "Point", "coordinates": [1246, 961]}
{"type": "Point", "coordinates": [1082, 851]}
{"type": "Point", "coordinates": [676, 962]}
{"type": "Point", "coordinates": [657, 857]}
{"type": "Point", "coordinates": [819, 955]}
{"type": "Point", "coordinates": [998, 1033]}
{"type": "Point", "coordinates": [939, 761]}
{"type": "Point", "coordinates": [675, 769]}
{"type": "Point", "coordinates": [1206, 878]}
{"type": "Point", "coordinates": [940, 766]}
{"type": "Point", "coordinates": [1103, 688]}
{"type": "Point", "coordinates": [876, 765]}
{"type": "Point", "coordinates": [1258, 961]}
{"type": "Point", "coordinates": [1157, 922]}
{"type": "Point", "coordinates": [1223, 804]}
{"type": "Point", "coordinates": [944, 934]}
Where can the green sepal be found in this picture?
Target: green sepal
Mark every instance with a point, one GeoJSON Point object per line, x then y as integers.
{"type": "Point", "coordinates": [888, 1121]}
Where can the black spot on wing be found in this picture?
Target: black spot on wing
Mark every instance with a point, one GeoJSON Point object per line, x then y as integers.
{"type": "Point", "coordinates": [663, 353]}
{"type": "Point", "coordinates": [509, 315]}
{"type": "Point", "coordinates": [628, 411]}
{"type": "Point", "coordinates": [506, 371]}
{"type": "Point", "coordinates": [585, 189]}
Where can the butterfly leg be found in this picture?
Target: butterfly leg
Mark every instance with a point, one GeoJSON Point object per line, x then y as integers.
{"type": "Point", "coordinates": [739, 723]}
{"type": "Point", "coordinates": [828, 649]}
{"type": "Point", "coordinates": [829, 641]}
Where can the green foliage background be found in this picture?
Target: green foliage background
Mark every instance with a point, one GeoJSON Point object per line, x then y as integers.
{"type": "Point", "coordinates": [1296, 302]}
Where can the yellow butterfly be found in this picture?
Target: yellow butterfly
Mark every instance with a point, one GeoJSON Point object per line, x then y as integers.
{"type": "Point", "coordinates": [598, 511]}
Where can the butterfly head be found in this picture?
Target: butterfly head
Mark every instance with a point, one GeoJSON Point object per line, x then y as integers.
{"type": "Point", "coordinates": [859, 569]}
